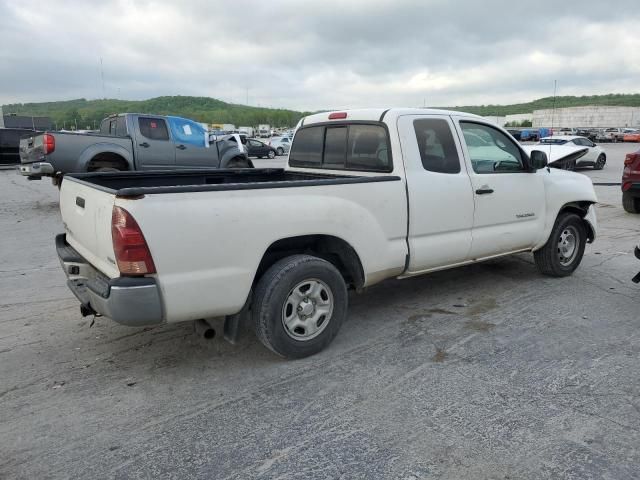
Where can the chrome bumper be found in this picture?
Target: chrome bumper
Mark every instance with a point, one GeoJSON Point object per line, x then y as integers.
{"type": "Point", "coordinates": [36, 170]}
{"type": "Point", "coordinates": [132, 301]}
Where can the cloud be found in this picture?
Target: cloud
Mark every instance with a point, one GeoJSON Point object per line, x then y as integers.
{"type": "Point", "coordinates": [318, 54]}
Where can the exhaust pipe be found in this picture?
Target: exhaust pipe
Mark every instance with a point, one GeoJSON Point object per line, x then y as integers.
{"type": "Point", "coordinates": [203, 329]}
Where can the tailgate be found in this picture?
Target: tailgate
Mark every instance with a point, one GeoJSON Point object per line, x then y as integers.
{"type": "Point", "coordinates": [31, 148]}
{"type": "Point", "coordinates": [86, 215]}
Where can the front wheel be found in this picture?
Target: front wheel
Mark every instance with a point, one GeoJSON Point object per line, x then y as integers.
{"type": "Point", "coordinates": [299, 305]}
{"type": "Point", "coordinates": [272, 154]}
{"type": "Point", "coordinates": [280, 151]}
{"type": "Point", "coordinates": [564, 249]}
{"type": "Point", "coordinates": [239, 162]}
{"type": "Point", "coordinates": [600, 162]}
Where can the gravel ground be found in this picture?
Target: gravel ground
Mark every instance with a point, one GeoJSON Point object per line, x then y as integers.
{"type": "Point", "coordinates": [487, 371]}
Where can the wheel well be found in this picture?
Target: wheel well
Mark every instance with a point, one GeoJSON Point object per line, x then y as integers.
{"type": "Point", "coordinates": [581, 209]}
{"type": "Point", "coordinates": [332, 249]}
{"type": "Point", "coordinates": [107, 159]}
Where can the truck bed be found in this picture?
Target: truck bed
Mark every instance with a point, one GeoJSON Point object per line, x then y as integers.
{"type": "Point", "coordinates": [126, 184]}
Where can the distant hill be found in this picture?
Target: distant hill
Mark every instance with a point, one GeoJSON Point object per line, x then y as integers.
{"type": "Point", "coordinates": [612, 99]}
{"type": "Point", "coordinates": [86, 113]}
{"type": "Point", "coordinates": [211, 110]}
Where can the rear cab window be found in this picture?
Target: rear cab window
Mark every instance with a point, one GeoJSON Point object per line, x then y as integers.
{"type": "Point", "coordinates": [342, 146]}
{"type": "Point", "coordinates": [153, 128]}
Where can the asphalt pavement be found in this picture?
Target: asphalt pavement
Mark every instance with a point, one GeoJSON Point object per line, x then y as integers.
{"type": "Point", "coordinates": [487, 371]}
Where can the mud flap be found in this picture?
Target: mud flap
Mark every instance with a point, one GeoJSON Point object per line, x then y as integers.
{"type": "Point", "coordinates": [233, 324]}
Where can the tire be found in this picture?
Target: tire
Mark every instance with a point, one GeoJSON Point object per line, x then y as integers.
{"type": "Point", "coordinates": [286, 318]}
{"type": "Point", "coordinates": [630, 203]}
{"type": "Point", "coordinates": [600, 162]}
{"type": "Point", "coordinates": [280, 151]}
{"type": "Point", "coordinates": [107, 169]}
{"type": "Point", "coordinates": [259, 156]}
{"type": "Point", "coordinates": [271, 154]}
{"type": "Point", "coordinates": [238, 162]}
{"type": "Point", "coordinates": [563, 252]}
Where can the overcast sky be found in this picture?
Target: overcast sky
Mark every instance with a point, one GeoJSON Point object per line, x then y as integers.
{"type": "Point", "coordinates": [310, 55]}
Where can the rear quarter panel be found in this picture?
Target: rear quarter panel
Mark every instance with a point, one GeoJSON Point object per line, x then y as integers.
{"type": "Point", "coordinates": [207, 245]}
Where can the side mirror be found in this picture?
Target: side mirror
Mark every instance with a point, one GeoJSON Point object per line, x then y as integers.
{"type": "Point", "coordinates": [213, 138]}
{"type": "Point", "coordinates": [538, 160]}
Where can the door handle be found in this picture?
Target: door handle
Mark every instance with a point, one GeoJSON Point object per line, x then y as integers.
{"type": "Point", "coordinates": [144, 144]}
{"type": "Point", "coordinates": [181, 147]}
{"type": "Point", "coordinates": [484, 191]}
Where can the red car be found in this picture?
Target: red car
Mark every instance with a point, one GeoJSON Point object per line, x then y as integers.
{"type": "Point", "coordinates": [631, 183]}
{"type": "Point", "coordinates": [632, 136]}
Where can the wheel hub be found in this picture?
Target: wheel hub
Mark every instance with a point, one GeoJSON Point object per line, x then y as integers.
{"type": "Point", "coordinates": [307, 309]}
{"type": "Point", "coordinates": [567, 245]}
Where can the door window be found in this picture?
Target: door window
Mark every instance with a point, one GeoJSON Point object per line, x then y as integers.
{"type": "Point", "coordinates": [490, 150]}
{"type": "Point", "coordinates": [153, 128]}
{"type": "Point", "coordinates": [187, 131]}
{"type": "Point", "coordinates": [436, 145]}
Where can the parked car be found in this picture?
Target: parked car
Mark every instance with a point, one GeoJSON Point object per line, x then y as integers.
{"type": "Point", "coordinates": [529, 135]}
{"type": "Point", "coordinates": [611, 135]}
{"type": "Point", "coordinates": [259, 149]}
{"type": "Point", "coordinates": [595, 155]}
{"type": "Point", "coordinates": [10, 144]}
{"type": "Point", "coordinates": [129, 141]}
{"type": "Point", "coordinates": [515, 133]}
{"type": "Point", "coordinates": [631, 183]}
{"type": "Point", "coordinates": [633, 136]}
{"type": "Point", "coordinates": [367, 195]}
{"type": "Point", "coordinates": [281, 144]}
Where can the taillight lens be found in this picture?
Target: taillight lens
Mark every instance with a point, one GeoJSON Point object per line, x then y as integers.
{"type": "Point", "coordinates": [48, 143]}
{"type": "Point", "coordinates": [132, 252]}
{"type": "Point", "coordinates": [631, 158]}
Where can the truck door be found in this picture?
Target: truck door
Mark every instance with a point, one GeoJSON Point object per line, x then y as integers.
{"type": "Point", "coordinates": [192, 144]}
{"type": "Point", "coordinates": [153, 146]}
{"type": "Point", "coordinates": [439, 192]}
{"type": "Point", "coordinates": [509, 199]}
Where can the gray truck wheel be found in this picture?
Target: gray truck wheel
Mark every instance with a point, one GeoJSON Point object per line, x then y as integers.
{"type": "Point", "coordinates": [299, 305]}
{"type": "Point", "coordinates": [630, 203]}
{"type": "Point", "coordinates": [238, 162]}
{"type": "Point", "coordinates": [564, 249]}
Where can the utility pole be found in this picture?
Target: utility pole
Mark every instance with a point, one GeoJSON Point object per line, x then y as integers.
{"type": "Point", "coordinates": [104, 95]}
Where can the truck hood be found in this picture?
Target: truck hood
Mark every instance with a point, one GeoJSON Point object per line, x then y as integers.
{"type": "Point", "coordinates": [559, 156]}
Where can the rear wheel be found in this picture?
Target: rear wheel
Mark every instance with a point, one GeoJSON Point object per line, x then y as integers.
{"type": "Point", "coordinates": [630, 203]}
{"type": "Point", "coordinates": [280, 151]}
{"type": "Point", "coordinates": [299, 305]}
{"type": "Point", "coordinates": [600, 162]}
{"type": "Point", "coordinates": [564, 249]}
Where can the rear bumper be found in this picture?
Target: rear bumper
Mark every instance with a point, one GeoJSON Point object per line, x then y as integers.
{"type": "Point", "coordinates": [35, 170]}
{"type": "Point", "coordinates": [132, 301]}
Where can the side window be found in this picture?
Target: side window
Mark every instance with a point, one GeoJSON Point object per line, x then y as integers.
{"type": "Point", "coordinates": [153, 128]}
{"type": "Point", "coordinates": [285, 140]}
{"type": "Point", "coordinates": [112, 127]}
{"type": "Point", "coordinates": [104, 127]}
{"type": "Point", "coordinates": [367, 148]}
{"type": "Point", "coordinates": [335, 147]}
{"type": "Point", "coordinates": [307, 151]}
{"type": "Point", "coordinates": [490, 150]}
{"type": "Point", "coordinates": [121, 126]}
{"type": "Point", "coordinates": [436, 145]}
{"type": "Point", "coordinates": [187, 131]}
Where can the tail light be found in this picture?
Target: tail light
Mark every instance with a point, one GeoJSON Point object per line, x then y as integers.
{"type": "Point", "coordinates": [631, 158]}
{"type": "Point", "coordinates": [48, 143]}
{"type": "Point", "coordinates": [132, 252]}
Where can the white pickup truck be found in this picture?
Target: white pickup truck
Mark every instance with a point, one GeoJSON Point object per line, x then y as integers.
{"type": "Point", "coordinates": [367, 195]}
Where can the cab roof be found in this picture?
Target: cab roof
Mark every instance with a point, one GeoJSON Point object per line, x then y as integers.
{"type": "Point", "coordinates": [376, 114]}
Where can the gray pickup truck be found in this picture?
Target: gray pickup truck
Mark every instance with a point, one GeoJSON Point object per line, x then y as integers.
{"type": "Point", "coordinates": [130, 141]}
